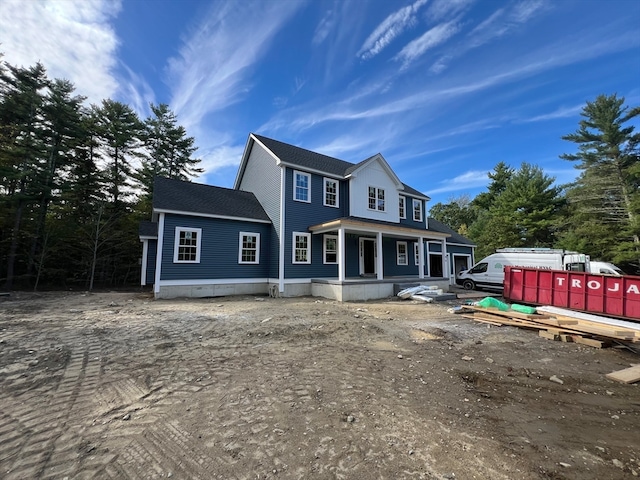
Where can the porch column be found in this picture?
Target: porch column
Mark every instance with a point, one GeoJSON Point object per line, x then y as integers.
{"type": "Point", "coordinates": [379, 259]}
{"type": "Point", "coordinates": [421, 258]}
{"type": "Point", "coordinates": [341, 255]}
{"type": "Point", "coordinates": [446, 269]}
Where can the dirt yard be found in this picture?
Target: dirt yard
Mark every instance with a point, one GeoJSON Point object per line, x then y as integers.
{"type": "Point", "coordinates": [118, 385]}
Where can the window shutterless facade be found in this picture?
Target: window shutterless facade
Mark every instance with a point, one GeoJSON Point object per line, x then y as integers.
{"type": "Point", "coordinates": [301, 186]}
{"type": "Point", "coordinates": [331, 193]}
{"type": "Point", "coordinates": [376, 199]}
{"type": "Point", "coordinates": [417, 210]}
{"type": "Point", "coordinates": [402, 206]}
{"type": "Point", "coordinates": [249, 248]}
{"type": "Point", "coordinates": [186, 248]}
{"type": "Point", "coordinates": [401, 253]}
{"type": "Point", "coordinates": [330, 249]}
{"type": "Point", "coordinates": [301, 247]}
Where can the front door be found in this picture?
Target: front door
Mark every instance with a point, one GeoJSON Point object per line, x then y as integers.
{"type": "Point", "coordinates": [368, 256]}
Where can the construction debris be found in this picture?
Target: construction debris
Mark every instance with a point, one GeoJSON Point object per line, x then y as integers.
{"type": "Point", "coordinates": [628, 375]}
{"type": "Point", "coordinates": [559, 324]}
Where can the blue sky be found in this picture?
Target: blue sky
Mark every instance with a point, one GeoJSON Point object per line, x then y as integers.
{"type": "Point", "coordinates": [444, 89]}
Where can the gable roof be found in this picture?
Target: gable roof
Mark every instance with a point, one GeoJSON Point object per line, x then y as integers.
{"type": "Point", "coordinates": [455, 236]}
{"type": "Point", "coordinates": [308, 160]}
{"type": "Point", "coordinates": [171, 195]}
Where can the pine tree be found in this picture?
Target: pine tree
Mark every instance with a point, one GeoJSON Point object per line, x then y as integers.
{"type": "Point", "coordinates": [605, 199]}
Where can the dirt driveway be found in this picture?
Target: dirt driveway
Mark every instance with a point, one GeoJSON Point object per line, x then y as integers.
{"type": "Point", "coordinates": [117, 385]}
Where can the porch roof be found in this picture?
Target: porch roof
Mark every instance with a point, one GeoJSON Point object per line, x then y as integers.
{"type": "Point", "coordinates": [370, 225]}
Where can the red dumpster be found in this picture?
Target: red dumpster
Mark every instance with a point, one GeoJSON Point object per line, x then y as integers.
{"type": "Point", "coordinates": [598, 294]}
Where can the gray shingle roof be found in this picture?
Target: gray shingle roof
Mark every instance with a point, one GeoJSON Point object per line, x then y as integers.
{"type": "Point", "coordinates": [148, 229]}
{"type": "Point", "coordinates": [455, 236]}
{"type": "Point", "coordinates": [316, 161]}
{"type": "Point", "coordinates": [169, 194]}
{"type": "Point", "coordinates": [305, 158]}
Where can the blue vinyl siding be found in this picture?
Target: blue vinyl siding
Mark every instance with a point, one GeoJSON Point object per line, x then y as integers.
{"type": "Point", "coordinates": [152, 250]}
{"type": "Point", "coordinates": [409, 222]}
{"type": "Point", "coordinates": [299, 216]}
{"type": "Point", "coordinates": [435, 247]}
{"type": "Point", "coordinates": [219, 249]}
{"type": "Point", "coordinates": [390, 260]}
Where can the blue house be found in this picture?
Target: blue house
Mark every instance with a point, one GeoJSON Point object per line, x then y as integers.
{"type": "Point", "coordinates": [297, 223]}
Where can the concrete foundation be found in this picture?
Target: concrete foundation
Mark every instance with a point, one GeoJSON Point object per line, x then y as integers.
{"type": "Point", "coordinates": [202, 291]}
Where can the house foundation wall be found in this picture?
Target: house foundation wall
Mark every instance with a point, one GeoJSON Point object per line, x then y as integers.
{"type": "Point", "coordinates": [203, 291]}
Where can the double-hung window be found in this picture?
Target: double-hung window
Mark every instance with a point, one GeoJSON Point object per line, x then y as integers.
{"type": "Point", "coordinates": [301, 186]}
{"type": "Point", "coordinates": [401, 253]}
{"type": "Point", "coordinates": [417, 210]}
{"type": "Point", "coordinates": [331, 194]}
{"type": "Point", "coordinates": [249, 248]}
{"type": "Point", "coordinates": [376, 199]}
{"type": "Point", "coordinates": [187, 243]}
{"type": "Point", "coordinates": [416, 253]}
{"type": "Point", "coordinates": [330, 249]}
{"type": "Point", "coordinates": [301, 247]}
{"type": "Point", "coordinates": [402, 206]}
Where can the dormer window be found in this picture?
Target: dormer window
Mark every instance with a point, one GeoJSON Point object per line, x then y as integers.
{"type": "Point", "coordinates": [331, 195]}
{"type": "Point", "coordinates": [376, 199]}
{"type": "Point", "coordinates": [417, 210]}
{"type": "Point", "coordinates": [301, 187]}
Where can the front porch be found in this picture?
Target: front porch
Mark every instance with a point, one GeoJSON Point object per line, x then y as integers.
{"type": "Point", "coordinates": [356, 289]}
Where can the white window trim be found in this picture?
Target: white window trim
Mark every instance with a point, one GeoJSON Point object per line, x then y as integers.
{"type": "Point", "coordinates": [406, 253]}
{"type": "Point", "coordinates": [176, 244]}
{"type": "Point", "coordinates": [324, 249]}
{"type": "Point", "coordinates": [418, 202]}
{"type": "Point", "coordinates": [377, 189]}
{"type": "Point", "coordinates": [403, 199]}
{"type": "Point", "coordinates": [324, 188]}
{"type": "Point", "coordinates": [293, 247]}
{"type": "Point", "coordinates": [308, 175]}
{"type": "Point", "coordinates": [240, 242]}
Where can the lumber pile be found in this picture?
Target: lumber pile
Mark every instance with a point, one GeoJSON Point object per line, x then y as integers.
{"type": "Point", "coordinates": [561, 325]}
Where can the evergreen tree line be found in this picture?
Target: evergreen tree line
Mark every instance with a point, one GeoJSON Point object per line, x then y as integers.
{"type": "Point", "coordinates": [598, 214]}
{"type": "Point", "coordinates": [76, 181]}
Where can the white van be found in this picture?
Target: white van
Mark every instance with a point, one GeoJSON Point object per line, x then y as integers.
{"type": "Point", "coordinates": [605, 268]}
{"type": "Point", "coordinates": [489, 272]}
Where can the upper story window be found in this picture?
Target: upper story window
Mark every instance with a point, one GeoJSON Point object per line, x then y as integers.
{"type": "Point", "coordinates": [186, 248]}
{"type": "Point", "coordinates": [249, 248]}
{"type": "Point", "coordinates": [330, 249]}
{"type": "Point", "coordinates": [401, 253]}
{"type": "Point", "coordinates": [417, 210]}
{"type": "Point", "coordinates": [331, 193]}
{"type": "Point", "coordinates": [301, 186]}
{"type": "Point", "coordinates": [301, 247]}
{"type": "Point", "coordinates": [376, 199]}
{"type": "Point", "coordinates": [402, 206]}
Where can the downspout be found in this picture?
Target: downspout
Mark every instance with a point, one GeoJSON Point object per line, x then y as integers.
{"type": "Point", "coordinates": [156, 283]}
{"type": "Point", "coordinates": [282, 231]}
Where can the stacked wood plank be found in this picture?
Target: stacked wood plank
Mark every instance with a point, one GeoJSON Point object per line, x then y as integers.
{"type": "Point", "coordinates": [563, 325]}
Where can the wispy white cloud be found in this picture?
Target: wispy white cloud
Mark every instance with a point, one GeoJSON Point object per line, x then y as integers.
{"type": "Point", "coordinates": [468, 180]}
{"type": "Point", "coordinates": [440, 9]}
{"type": "Point", "coordinates": [563, 112]}
{"type": "Point", "coordinates": [137, 92]}
{"type": "Point", "coordinates": [324, 27]}
{"type": "Point", "coordinates": [433, 37]}
{"type": "Point", "coordinates": [73, 39]}
{"type": "Point", "coordinates": [389, 29]}
{"type": "Point", "coordinates": [500, 23]}
{"type": "Point", "coordinates": [213, 69]}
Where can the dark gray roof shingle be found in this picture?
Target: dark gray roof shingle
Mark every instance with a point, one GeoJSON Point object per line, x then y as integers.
{"type": "Point", "coordinates": [189, 197]}
{"type": "Point", "coordinates": [148, 229]}
{"type": "Point", "coordinates": [455, 237]}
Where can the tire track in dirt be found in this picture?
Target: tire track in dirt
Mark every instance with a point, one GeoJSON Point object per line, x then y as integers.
{"type": "Point", "coordinates": [51, 435]}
